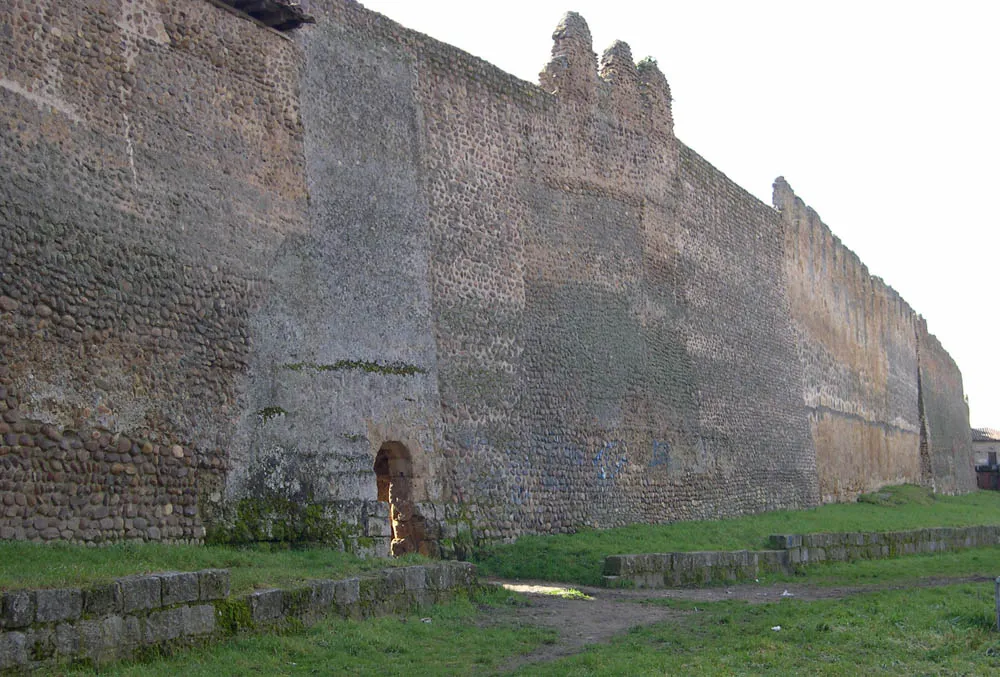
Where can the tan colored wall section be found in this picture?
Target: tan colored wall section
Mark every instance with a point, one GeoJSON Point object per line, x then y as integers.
{"type": "Point", "coordinates": [857, 344]}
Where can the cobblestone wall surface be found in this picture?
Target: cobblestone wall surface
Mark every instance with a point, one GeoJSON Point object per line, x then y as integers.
{"type": "Point", "coordinates": [561, 314]}
{"type": "Point", "coordinates": [152, 160]}
{"type": "Point", "coordinates": [582, 267]}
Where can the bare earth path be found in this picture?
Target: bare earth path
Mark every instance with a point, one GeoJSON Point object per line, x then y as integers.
{"type": "Point", "coordinates": [611, 612]}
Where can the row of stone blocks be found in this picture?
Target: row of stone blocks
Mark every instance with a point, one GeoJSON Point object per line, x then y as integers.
{"type": "Point", "coordinates": [677, 569]}
{"type": "Point", "coordinates": [122, 619]}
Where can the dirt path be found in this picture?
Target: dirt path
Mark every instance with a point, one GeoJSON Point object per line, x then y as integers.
{"type": "Point", "coordinates": [611, 612]}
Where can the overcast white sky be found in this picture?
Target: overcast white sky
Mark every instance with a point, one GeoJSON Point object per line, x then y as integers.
{"type": "Point", "coordinates": [883, 116]}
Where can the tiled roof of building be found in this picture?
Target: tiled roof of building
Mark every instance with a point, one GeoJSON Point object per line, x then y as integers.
{"type": "Point", "coordinates": [985, 435]}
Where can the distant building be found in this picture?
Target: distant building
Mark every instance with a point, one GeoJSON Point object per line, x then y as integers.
{"type": "Point", "coordinates": [985, 447]}
{"type": "Point", "coordinates": [985, 440]}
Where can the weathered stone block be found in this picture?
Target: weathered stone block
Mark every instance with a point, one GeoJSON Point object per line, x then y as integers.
{"type": "Point", "coordinates": [178, 588]}
{"type": "Point", "coordinates": [131, 632]}
{"type": "Point", "coordinates": [439, 577]}
{"type": "Point", "coordinates": [58, 605]}
{"type": "Point", "coordinates": [67, 639]}
{"type": "Point", "coordinates": [163, 626]}
{"type": "Point", "coordinates": [691, 568]}
{"type": "Point", "coordinates": [102, 600]}
{"type": "Point", "coordinates": [772, 561]}
{"type": "Point", "coordinates": [18, 609]}
{"type": "Point", "coordinates": [92, 644]}
{"type": "Point", "coordinates": [373, 593]}
{"type": "Point", "coordinates": [837, 554]}
{"type": "Point", "coordinates": [414, 579]}
{"type": "Point", "coordinates": [463, 573]}
{"type": "Point", "coordinates": [649, 579]}
{"type": "Point", "coordinates": [13, 650]}
{"type": "Point", "coordinates": [613, 565]}
{"type": "Point", "coordinates": [785, 541]}
{"type": "Point", "coordinates": [393, 582]}
{"type": "Point", "coordinates": [113, 635]}
{"type": "Point", "coordinates": [323, 594]}
{"type": "Point", "coordinates": [267, 605]}
{"type": "Point", "coordinates": [41, 644]}
{"type": "Point", "coordinates": [198, 620]}
{"type": "Point", "coordinates": [140, 592]}
{"type": "Point", "coordinates": [213, 584]}
{"type": "Point", "coordinates": [347, 593]}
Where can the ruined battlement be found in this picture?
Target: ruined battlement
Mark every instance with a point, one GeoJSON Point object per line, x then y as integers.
{"type": "Point", "coordinates": [349, 283]}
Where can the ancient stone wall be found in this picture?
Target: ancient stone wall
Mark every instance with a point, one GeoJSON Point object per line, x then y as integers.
{"type": "Point", "coordinates": [152, 155]}
{"type": "Point", "coordinates": [547, 310]}
{"type": "Point", "coordinates": [946, 436]}
{"type": "Point", "coordinates": [583, 266]}
{"type": "Point", "coordinates": [857, 344]}
{"type": "Point", "coordinates": [861, 348]}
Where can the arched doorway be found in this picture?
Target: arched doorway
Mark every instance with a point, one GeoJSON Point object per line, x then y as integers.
{"type": "Point", "coordinates": [394, 479]}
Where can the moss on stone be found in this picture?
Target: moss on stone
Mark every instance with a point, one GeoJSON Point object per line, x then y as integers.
{"type": "Point", "coordinates": [233, 615]}
{"type": "Point", "coordinates": [267, 413]}
{"type": "Point", "coordinates": [390, 369]}
{"type": "Point", "coordinates": [275, 519]}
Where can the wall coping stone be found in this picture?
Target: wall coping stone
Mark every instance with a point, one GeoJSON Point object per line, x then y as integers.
{"type": "Point", "coordinates": [788, 552]}
{"type": "Point", "coordinates": [111, 621]}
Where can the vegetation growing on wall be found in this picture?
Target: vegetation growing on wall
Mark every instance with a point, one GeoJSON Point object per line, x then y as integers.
{"type": "Point", "coordinates": [389, 369]}
{"type": "Point", "coordinates": [275, 519]}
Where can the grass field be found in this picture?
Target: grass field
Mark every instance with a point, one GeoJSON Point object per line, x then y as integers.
{"type": "Point", "coordinates": [929, 631]}
{"type": "Point", "coordinates": [578, 558]}
{"type": "Point", "coordinates": [911, 632]}
{"type": "Point", "coordinates": [24, 565]}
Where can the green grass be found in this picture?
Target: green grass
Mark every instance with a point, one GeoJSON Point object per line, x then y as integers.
{"type": "Point", "coordinates": [937, 631]}
{"type": "Point", "coordinates": [31, 565]}
{"type": "Point", "coordinates": [456, 641]}
{"type": "Point", "coordinates": [578, 558]}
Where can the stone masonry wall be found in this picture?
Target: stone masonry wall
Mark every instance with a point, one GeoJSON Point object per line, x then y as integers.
{"type": "Point", "coordinates": [42, 629]}
{"type": "Point", "coordinates": [238, 264]}
{"type": "Point", "coordinates": [152, 155]}
{"type": "Point", "coordinates": [861, 348]}
{"type": "Point", "coordinates": [790, 552]}
{"type": "Point", "coordinates": [947, 437]}
{"type": "Point", "coordinates": [581, 266]}
{"type": "Point", "coordinates": [858, 348]}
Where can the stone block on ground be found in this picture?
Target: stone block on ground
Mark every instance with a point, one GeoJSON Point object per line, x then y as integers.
{"type": "Point", "coordinates": [18, 609]}
{"type": "Point", "coordinates": [266, 605]}
{"type": "Point", "coordinates": [213, 584]}
{"type": "Point", "coordinates": [58, 605]}
{"type": "Point", "coordinates": [323, 594]}
{"type": "Point", "coordinates": [415, 579]}
{"type": "Point", "coordinates": [179, 588]}
{"type": "Point", "coordinates": [347, 594]}
{"type": "Point", "coordinates": [102, 600]}
{"type": "Point", "coordinates": [67, 639]}
{"type": "Point", "coordinates": [785, 541]}
{"type": "Point", "coordinates": [198, 620]}
{"type": "Point", "coordinates": [13, 650]}
{"type": "Point", "coordinates": [140, 593]}
{"type": "Point", "coordinates": [164, 626]}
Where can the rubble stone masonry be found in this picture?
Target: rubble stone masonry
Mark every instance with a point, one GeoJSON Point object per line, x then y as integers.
{"type": "Point", "coordinates": [236, 263]}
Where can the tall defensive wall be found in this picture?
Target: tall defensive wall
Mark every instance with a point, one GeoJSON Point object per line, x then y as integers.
{"type": "Point", "coordinates": [276, 286]}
